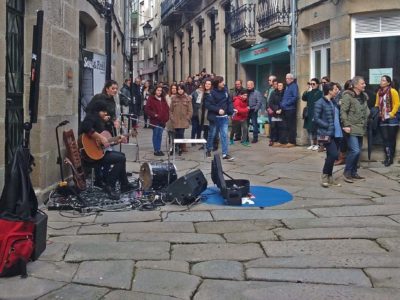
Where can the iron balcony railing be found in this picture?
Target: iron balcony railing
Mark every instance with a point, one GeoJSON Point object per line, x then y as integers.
{"type": "Point", "coordinates": [272, 13]}
{"type": "Point", "coordinates": [243, 21]}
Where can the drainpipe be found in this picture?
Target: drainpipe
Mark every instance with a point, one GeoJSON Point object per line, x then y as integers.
{"type": "Point", "coordinates": [293, 9]}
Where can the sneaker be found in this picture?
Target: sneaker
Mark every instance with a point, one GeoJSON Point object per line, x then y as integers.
{"type": "Point", "coordinates": [356, 176]}
{"type": "Point", "coordinates": [158, 153]}
{"type": "Point", "coordinates": [277, 144]}
{"type": "Point", "coordinates": [332, 182]}
{"type": "Point", "coordinates": [246, 144]}
{"type": "Point", "coordinates": [271, 143]}
{"type": "Point", "coordinates": [254, 141]}
{"type": "Point", "coordinates": [315, 148]}
{"type": "Point", "coordinates": [231, 142]}
{"type": "Point", "coordinates": [324, 180]}
{"type": "Point", "coordinates": [310, 147]}
{"type": "Point", "coordinates": [228, 157]}
{"type": "Point", "coordinates": [348, 178]}
{"type": "Point", "coordinates": [208, 154]}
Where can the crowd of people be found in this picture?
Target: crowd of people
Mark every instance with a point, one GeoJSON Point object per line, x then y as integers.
{"type": "Point", "coordinates": [335, 119]}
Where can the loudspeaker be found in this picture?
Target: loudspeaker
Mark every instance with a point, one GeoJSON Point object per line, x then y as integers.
{"type": "Point", "coordinates": [40, 234]}
{"type": "Point", "coordinates": [185, 189]}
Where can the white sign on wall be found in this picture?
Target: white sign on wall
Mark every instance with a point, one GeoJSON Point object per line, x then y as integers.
{"type": "Point", "coordinates": [376, 74]}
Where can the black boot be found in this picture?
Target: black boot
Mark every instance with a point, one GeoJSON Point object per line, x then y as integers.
{"type": "Point", "coordinates": [388, 157]}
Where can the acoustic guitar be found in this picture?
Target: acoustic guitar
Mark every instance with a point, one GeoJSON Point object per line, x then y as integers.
{"type": "Point", "coordinates": [93, 150]}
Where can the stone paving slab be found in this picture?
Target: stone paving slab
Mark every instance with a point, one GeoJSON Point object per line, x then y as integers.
{"type": "Point", "coordinates": [322, 276]}
{"type": "Point", "coordinates": [395, 218]}
{"type": "Point", "coordinates": [187, 216]}
{"type": "Point", "coordinates": [250, 237]}
{"type": "Point", "coordinates": [318, 192]}
{"type": "Point", "coordinates": [138, 227]}
{"type": "Point", "coordinates": [369, 221]}
{"type": "Point", "coordinates": [70, 239]}
{"type": "Point", "coordinates": [62, 228]}
{"type": "Point", "coordinates": [28, 288]}
{"type": "Point", "coordinates": [181, 238]}
{"type": "Point", "coordinates": [224, 215]}
{"type": "Point", "coordinates": [320, 247]}
{"type": "Point", "coordinates": [292, 174]}
{"type": "Point", "coordinates": [167, 283]}
{"type": "Point", "coordinates": [219, 269]}
{"type": "Point", "coordinates": [236, 226]}
{"type": "Point", "coordinates": [204, 252]}
{"type": "Point", "coordinates": [395, 199]}
{"type": "Point", "coordinates": [240, 290]}
{"type": "Point", "coordinates": [54, 251]}
{"type": "Point", "coordinates": [68, 216]}
{"type": "Point", "coordinates": [354, 211]}
{"type": "Point", "coordinates": [336, 233]}
{"type": "Point", "coordinates": [128, 295]}
{"type": "Point", "coordinates": [117, 251]}
{"type": "Point", "coordinates": [307, 203]}
{"type": "Point", "coordinates": [115, 274]}
{"type": "Point", "coordinates": [384, 277]}
{"type": "Point", "coordinates": [358, 261]}
{"type": "Point", "coordinates": [169, 265]}
{"type": "Point", "coordinates": [58, 271]}
{"type": "Point", "coordinates": [128, 216]}
{"type": "Point", "coordinates": [391, 244]}
{"type": "Point", "coordinates": [76, 291]}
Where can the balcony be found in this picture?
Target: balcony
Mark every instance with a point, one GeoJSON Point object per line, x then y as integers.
{"type": "Point", "coordinates": [169, 12]}
{"type": "Point", "coordinates": [273, 18]}
{"type": "Point", "coordinates": [243, 31]}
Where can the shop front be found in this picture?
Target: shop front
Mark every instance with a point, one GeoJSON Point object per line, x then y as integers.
{"type": "Point", "coordinates": [264, 59]}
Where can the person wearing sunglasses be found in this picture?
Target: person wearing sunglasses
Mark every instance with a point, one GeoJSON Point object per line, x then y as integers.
{"type": "Point", "coordinates": [311, 96]}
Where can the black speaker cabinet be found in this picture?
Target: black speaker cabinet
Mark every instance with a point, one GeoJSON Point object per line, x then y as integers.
{"type": "Point", "coordinates": [185, 189]}
{"type": "Point", "coordinates": [40, 234]}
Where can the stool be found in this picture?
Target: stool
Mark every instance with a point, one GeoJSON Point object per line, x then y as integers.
{"type": "Point", "coordinates": [189, 141]}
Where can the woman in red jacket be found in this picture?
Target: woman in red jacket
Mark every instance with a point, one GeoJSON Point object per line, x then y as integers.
{"type": "Point", "coordinates": [158, 111]}
{"type": "Point", "coordinates": [239, 119]}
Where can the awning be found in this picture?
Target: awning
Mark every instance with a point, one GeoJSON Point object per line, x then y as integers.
{"type": "Point", "coordinates": [149, 70]}
{"type": "Point", "coordinates": [266, 52]}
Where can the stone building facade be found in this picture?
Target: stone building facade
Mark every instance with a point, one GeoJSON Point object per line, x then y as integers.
{"type": "Point", "coordinates": [69, 27]}
{"type": "Point", "coordinates": [341, 39]}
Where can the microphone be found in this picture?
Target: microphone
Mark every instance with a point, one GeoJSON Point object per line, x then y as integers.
{"type": "Point", "coordinates": [63, 123]}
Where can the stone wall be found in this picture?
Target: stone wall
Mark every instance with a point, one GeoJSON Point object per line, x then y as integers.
{"type": "Point", "coordinates": [2, 88]}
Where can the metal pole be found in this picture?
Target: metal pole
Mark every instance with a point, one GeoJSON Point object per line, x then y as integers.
{"type": "Point", "coordinates": [108, 13]}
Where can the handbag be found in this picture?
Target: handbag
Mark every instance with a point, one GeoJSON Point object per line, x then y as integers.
{"type": "Point", "coordinates": [323, 139]}
{"type": "Point", "coordinates": [270, 111]}
{"type": "Point", "coordinates": [305, 112]}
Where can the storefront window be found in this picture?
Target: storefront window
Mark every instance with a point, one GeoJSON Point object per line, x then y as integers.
{"type": "Point", "coordinates": [374, 54]}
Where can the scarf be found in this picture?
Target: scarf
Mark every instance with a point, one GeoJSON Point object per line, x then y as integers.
{"type": "Point", "coordinates": [385, 102]}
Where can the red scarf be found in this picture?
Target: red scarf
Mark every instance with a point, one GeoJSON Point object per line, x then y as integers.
{"type": "Point", "coordinates": [385, 100]}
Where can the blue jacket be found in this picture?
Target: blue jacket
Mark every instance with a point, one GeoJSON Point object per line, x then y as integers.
{"type": "Point", "coordinates": [290, 97]}
{"type": "Point", "coordinates": [324, 117]}
{"type": "Point", "coordinates": [216, 100]}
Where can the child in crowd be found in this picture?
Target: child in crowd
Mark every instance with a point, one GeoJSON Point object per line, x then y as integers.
{"type": "Point", "coordinates": [239, 118]}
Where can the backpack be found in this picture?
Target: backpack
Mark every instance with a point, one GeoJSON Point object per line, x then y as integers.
{"type": "Point", "coordinates": [16, 247]}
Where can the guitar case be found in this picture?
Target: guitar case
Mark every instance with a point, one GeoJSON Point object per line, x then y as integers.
{"type": "Point", "coordinates": [73, 159]}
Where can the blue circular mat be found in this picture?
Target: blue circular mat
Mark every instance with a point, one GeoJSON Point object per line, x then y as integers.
{"type": "Point", "coordinates": [262, 196]}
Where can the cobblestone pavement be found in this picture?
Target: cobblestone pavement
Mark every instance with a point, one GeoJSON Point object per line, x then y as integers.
{"type": "Point", "coordinates": [336, 243]}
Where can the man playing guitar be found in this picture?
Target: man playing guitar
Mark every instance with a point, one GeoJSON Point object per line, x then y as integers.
{"type": "Point", "coordinates": [93, 124]}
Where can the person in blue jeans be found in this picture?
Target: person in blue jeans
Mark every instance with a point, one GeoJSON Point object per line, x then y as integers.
{"type": "Point", "coordinates": [354, 114]}
{"type": "Point", "coordinates": [219, 106]}
{"type": "Point", "coordinates": [326, 118]}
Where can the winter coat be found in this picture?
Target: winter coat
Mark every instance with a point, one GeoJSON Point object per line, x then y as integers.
{"type": "Point", "coordinates": [216, 100]}
{"type": "Point", "coordinates": [180, 111]}
{"type": "Point", "coordinates": [255, 99]}
{"type": "Point", "coordinates": [290, 97]}
{"type": "Point", "coordinates": [354, 112]}
{"type": "Point", "coordinates": [197, 97]}
{"type": "Point", "coordinates": [274, 102]}
{"type": "Point", "coordinates": [311, 97]}
{"type": "Point", "coordinates": [242, 109]}
{"type": "Point", "coordinates": [324, 117]}
{"type": "Point", "coordinates": [157, 110]}
{"type": "Point", "coordinates": [203, 110]}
